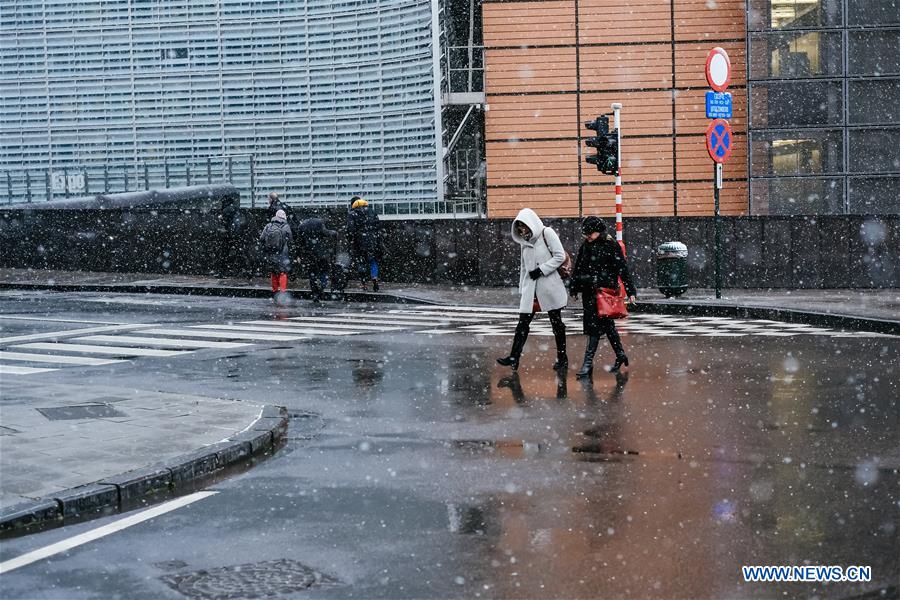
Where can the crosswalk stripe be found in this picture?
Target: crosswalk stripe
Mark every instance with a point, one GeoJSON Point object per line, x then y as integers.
{"type": "Point", "coordinates": [277, 330]}
{"type": "Point", "coordinates": [89, 349]}
{"type": "Point", "coordinates": [405, 314]}
{"type": "Point", "coordinates": [52, 335]}
{"type": "Point", "coordinates": [390, 319]}
{"type": "Point", "coordinates": [151, 341]}
{"type": "Point", "coordinates": [13, 370]}
{"type": "Point", "coordinates": [59, 359]}
{"type": "Point", "coordinates": [235, 335]}
{"type": "Point", "coordinates": [316, 322]}
{"type": "Point", "coordinates": [465, 309]}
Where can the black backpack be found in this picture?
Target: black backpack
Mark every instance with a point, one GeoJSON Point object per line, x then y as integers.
{"type": "Point", "coordinates": [273, 239]}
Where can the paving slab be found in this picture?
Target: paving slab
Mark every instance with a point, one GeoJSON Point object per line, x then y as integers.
{"type": "Point", "coordinates": [59, 446]}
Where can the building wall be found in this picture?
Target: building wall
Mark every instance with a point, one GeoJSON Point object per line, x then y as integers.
{"type": "Point", "coordinates": [825, 105]}
{"type": "Point", "coordinates": [331, 98]}
{"type": "Point", "coordinates": [552, 65]}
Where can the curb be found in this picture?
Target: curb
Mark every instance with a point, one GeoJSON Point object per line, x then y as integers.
{"type": "Point", "coordinates": [789, 315]}
{"type": "Point", "coordinates": [223, 291]}
{"type": "Point", "coordinates": [141, 486]}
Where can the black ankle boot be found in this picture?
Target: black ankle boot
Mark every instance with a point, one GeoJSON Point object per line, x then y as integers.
{"type": "Point", "coordinates": [562, 362]}
{"type": "Point", "coordinates": [509, 361]}
{"type": "Point", "coordinates": [620, 360]}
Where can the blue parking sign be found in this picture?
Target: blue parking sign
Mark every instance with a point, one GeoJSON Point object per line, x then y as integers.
{"type": "Point", "coordinates": [718, 105]}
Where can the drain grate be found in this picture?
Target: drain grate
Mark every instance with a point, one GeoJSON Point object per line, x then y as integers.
{"type": "Point", "coordinates": [257, 580]}
{"type": "Point", "coordinates": [83, 411]}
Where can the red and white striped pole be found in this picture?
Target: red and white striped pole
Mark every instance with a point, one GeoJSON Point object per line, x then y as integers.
{"type": "Point", "coordinates": [617, 106]}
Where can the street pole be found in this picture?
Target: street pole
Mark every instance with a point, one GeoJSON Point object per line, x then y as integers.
{"type": "Point", "coordinates": [717, 184]}
{"type": "Point", "coordinates": [617, 107]}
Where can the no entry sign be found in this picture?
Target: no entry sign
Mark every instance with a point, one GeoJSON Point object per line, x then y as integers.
{"type": "Point", "coordinates": [718, 69]}
{"type": "Point", "coordinates": [719, 140]}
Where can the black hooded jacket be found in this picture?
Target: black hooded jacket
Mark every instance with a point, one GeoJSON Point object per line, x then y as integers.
{"type": "Point", "coordinates": [600, 264]}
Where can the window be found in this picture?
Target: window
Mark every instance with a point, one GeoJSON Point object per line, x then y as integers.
{"type": "Point", "coordinates": [874, 52]}
{"type": "Point", "coordinates": [875, 101]}
{"type": "Point", "coordinates": [794, 14]}
{"type": "Point", "coordinates": [796, 103]}
{"type": "Point", "coordinates": [805, 152]}
{"type": "Point", "coordinates": [796, 54]}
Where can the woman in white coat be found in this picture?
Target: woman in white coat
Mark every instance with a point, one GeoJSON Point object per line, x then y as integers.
{"type": "Point", "coordinates": [540, 285]}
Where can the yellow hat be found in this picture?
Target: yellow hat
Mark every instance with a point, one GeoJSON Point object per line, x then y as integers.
{"type": "Point", "coordinates": [359, 203]}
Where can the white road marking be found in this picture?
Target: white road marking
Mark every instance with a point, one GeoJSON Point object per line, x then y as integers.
{"type": "Point", "coordinates": [88, 349]}
{"type": "Point", "coordinates": [85, 321]}
{"type": "Point", "coordinates": [723, 334]}
{"type": "Point", "coordinates": [68, 333]}
{"type": "Point", "coordinates": [414, 315]}
{"type": "Point", "coordinates": [60, 359]}
{"type": "Point", "coordinates": [12, 370]}
{"type": "Point", "coordinates": [465, 309]}
{"type": "Point", "coordinates": [316, 322]}
{"type": "Point", "coordinates": [390, 320]}
{"type": "Point", "coordinates": [150, 341]}
{"type": "Point", "coordinates": [276, 330]}
{"type": "Point", "coordinates": [234, 335]}
{"type": "Point", "coordinates": [95, 534]}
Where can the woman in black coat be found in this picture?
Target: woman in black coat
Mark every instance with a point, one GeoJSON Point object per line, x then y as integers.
{"type": "Point", "coordinates": [600, 264]}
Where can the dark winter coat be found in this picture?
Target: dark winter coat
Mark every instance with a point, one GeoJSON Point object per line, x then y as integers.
{"type": "Point", "coordinates": [599, 264]}
{"type": "Point", "coordinates": [363, 234]}
{"type": "Point", "coordinates": [277, 261]}
{"type": "Point", "coordinates": [316, 241]}
{"type": "Point", "coordinates": [274, 207]}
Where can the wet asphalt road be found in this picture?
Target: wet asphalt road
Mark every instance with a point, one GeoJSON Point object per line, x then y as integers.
{"type": "Point", "coordinates": [416, 467]}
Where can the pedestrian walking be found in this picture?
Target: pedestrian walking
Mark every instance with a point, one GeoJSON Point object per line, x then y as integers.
{"type": "Point", "coordinates": [276, 243]}
{"type": "Point", "coordinates": [364, 240]}
{"type": "Point", "coordinates": [600, 264]}
{"type": "Point", "coordinates": [317, 250]}
{"type": "Point", "coordinates": [540, 285]}
{"type": "Point", "coordinates": [275, 204]}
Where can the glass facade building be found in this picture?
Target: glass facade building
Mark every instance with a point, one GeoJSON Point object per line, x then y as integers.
{"type": "Point", "coordinates": [329, 97]}
{"type": "Point", "coordinates": [824, 95]}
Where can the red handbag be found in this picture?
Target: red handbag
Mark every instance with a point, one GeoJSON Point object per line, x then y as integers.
{"type": "Point", "coordinates": [611, 303]}
{"type": "Point", "coordinates": [535, 306]}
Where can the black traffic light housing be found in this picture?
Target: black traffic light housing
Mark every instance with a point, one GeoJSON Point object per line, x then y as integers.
{"type": "Point", "coordinates": [607, 144]}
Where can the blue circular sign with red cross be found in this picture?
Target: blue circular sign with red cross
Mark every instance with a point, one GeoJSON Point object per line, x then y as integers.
{"type": "Point", "coordinates": [719, 140]}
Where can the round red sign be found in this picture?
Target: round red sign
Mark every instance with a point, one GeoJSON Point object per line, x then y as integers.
{"type": "Point", "coordinates": [719, 140]}
{"type": "Point", "coordinates": [718, 69]}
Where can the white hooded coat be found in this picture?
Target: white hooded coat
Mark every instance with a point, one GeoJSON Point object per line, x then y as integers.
{"type": "Point", "coordinates": [547, 256]}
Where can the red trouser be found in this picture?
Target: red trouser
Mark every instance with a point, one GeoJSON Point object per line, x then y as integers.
{"type": "Point", "coordinates": [279, 282]}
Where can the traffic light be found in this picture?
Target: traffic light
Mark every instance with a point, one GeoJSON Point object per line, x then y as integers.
{"type": "Point", "coordinates": [607, 144]}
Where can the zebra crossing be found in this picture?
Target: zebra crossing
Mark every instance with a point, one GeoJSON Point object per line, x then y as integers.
{"type": "Point", "coordinates": [487, 322]}
{"type": "Point", "coordinates": [93, 347]}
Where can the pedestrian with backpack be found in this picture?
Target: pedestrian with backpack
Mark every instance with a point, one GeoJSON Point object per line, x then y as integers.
{"type": "Point", "coordinates": [317, 244]}
{"type": "Point", "coordinates": [276, 242]}
{"type": "Point", "coordinates": [541, 286]}
{"type": "Point", "coordinates": [364, 240]}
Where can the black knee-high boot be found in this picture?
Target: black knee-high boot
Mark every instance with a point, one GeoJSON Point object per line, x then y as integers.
{"type": "Point", "coordinates": [559, 334]}
{"type": "Point", "coordinates": [616, 342]}
{"type": "Point", "coordinates": [519, 339]}
{"type": "Point", "coordinates": [587, 367]}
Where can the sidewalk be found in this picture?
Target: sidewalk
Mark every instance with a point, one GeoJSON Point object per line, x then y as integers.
{"type": "Point", "coordinates": [877, 310]}
{"type": "Point", "coordinates": [69, 452]}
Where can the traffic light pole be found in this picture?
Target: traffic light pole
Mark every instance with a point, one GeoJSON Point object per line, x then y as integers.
{"type": "Point", "coordinates": [616, 106]}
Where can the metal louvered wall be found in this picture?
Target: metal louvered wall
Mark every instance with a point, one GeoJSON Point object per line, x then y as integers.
{"type": "Point", "coordinates": [330, 98]}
